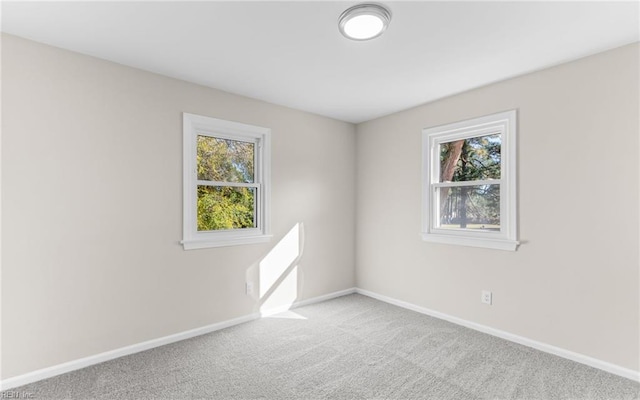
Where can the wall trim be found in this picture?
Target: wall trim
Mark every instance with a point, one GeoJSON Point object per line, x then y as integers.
{"type": "Point", "coordinates": [547, 348]}
{"type": "Point", "coordinates": [84, 362]}
{"type": "Point", "coordinates": [301, 303]}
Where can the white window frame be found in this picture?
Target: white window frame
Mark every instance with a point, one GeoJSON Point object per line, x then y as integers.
{"type": "Point", "coordinates": [197, 125]}
{"type": "Point", "coordinates": [504, 123]}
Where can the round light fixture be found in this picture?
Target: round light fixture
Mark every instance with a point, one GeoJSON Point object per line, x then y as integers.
{"type": "Point", "coordinates": [364, 21]}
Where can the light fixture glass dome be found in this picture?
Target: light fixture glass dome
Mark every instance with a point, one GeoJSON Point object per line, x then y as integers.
{"type": "Point", "coordinates": [364, 21]}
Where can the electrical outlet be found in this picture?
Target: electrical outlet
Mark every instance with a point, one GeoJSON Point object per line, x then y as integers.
{"type": "Point", "coordinates": [486, 297]}
{"type": "Point", "coordinates": [249, 288]}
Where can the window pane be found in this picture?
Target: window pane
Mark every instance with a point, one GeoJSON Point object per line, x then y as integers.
{"type": "Point", "coordinates": [225, 160]}
{"type": "Point", "coordinates": [470, 207]}
{"type": "Point", "coordinates": [226, 207]}
{"type": "Point", "coordinates": [470, 159]}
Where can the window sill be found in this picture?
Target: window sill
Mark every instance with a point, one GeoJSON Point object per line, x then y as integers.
{"type": "Point", "coordinates": [499, 244]}
{"type": "Point", "coordinates": [193, 244]}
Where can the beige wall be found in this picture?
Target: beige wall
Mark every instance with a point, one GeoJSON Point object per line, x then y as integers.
{"type": "Point", "coordinates": [92, 207]}
{"type": "Point", "coordinates": [573, 283]}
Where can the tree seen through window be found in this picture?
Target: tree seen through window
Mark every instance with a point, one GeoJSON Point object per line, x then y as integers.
{"type": "Point", "coordinates": [226, 191]}
{"type": "Point", "coordinates": [469, 205]}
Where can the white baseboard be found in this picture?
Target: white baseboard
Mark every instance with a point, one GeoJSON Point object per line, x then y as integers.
{"type": "Point", "coordinates": [136, 348]}
{"type": "Point", "coordinates": [547, 348]}
{"type": "Point", "coordinates": [325, 297]}
{"type": "Point", "coordinates": [123, 351]}
{"type": "Point", "coordinates": [301, 303]}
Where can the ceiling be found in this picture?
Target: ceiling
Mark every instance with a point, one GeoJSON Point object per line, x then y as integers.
{"type": "Point", "coordinates": [291, 53]}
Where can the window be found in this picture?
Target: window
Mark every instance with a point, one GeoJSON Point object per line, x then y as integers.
{"type": "Point", "coordinates": [226, 182]}
{"type": "Point", "coordinates": [469, 183]}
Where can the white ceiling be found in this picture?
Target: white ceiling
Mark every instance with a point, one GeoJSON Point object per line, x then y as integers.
{"type": "Point", "coordinates": [291, 53]}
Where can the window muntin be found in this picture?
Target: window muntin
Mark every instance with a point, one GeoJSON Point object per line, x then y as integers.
{"type": "Point", "coordinates": [469, 186]}
{"type": "Point", "coordinates": [226, 182]}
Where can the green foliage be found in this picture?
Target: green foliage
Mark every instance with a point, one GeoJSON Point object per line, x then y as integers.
{"type": "Point", "coordinates": [225, 207]}
{"type": "Point", "coordinates": [224, 160]}
{"type": "Point", "coordinates": [479, 159]}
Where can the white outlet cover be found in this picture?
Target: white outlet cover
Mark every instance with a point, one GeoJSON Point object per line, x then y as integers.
{"type": "Point", "coordinates": [486, 297]}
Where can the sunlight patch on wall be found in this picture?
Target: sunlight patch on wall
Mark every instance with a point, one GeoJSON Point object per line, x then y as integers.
{"type": "Point", "coordinates": [278, 273]}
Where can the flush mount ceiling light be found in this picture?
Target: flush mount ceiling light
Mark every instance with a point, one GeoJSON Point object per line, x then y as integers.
{"type": "Point", "coordinates": [364, 21]}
